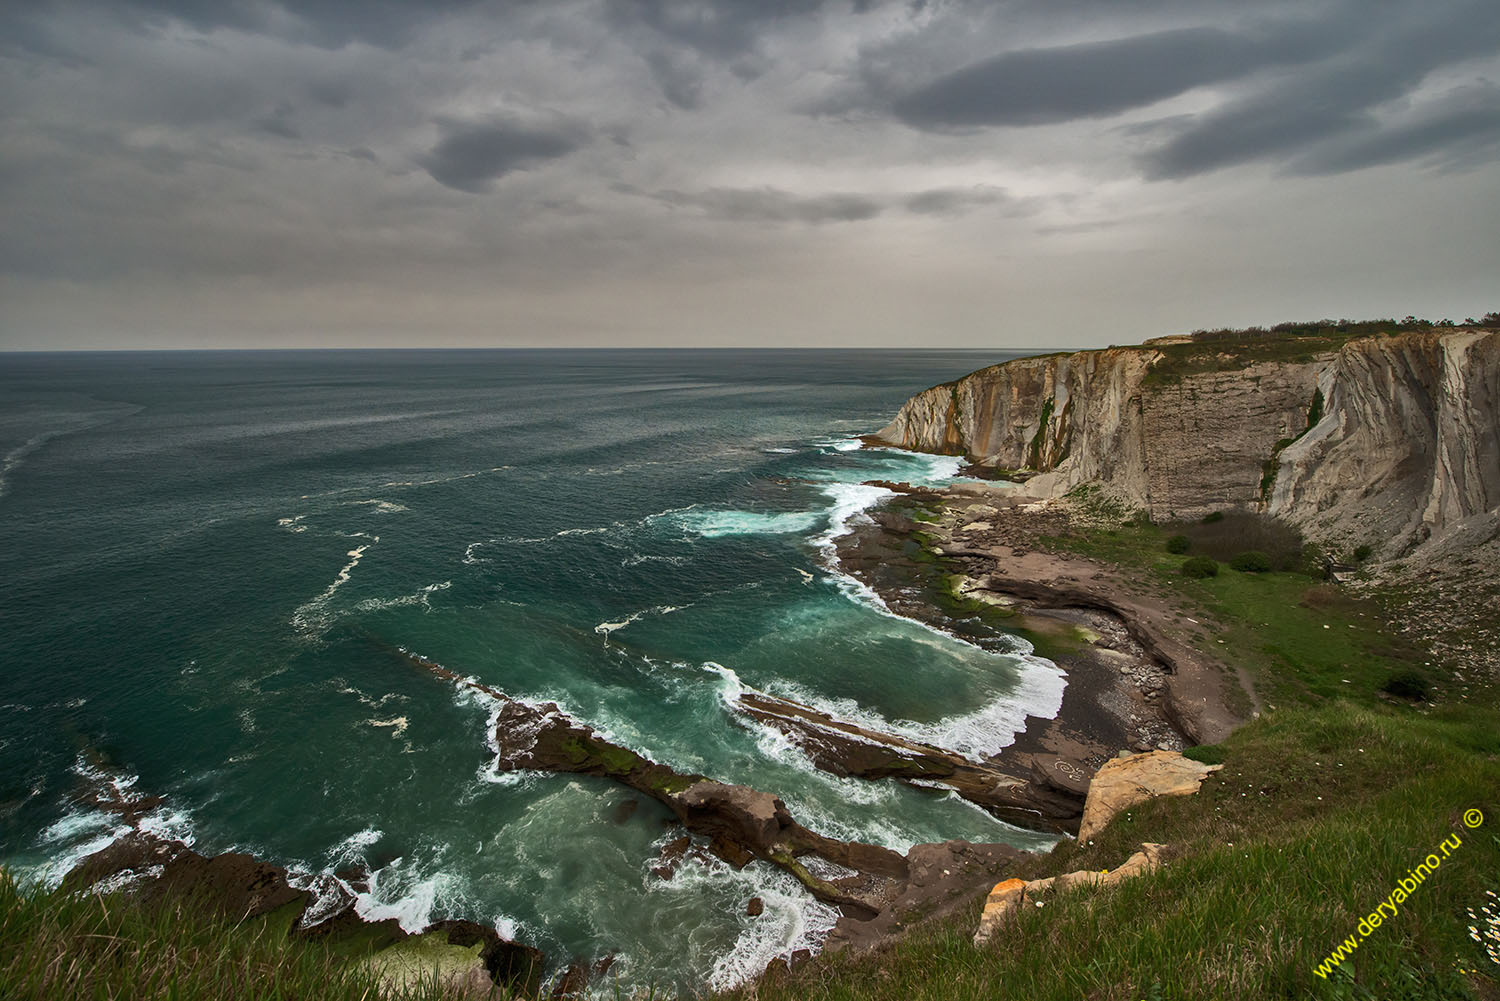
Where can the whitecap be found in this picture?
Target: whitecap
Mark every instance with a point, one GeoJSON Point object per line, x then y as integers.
{"type": "Point", "coordinates": [380, 506]}
{"type": "Point", "coordinates": [840, 444]}
{"type": "Point", "coordinates": [420, 597]}
{"type": "Point", "coordinates": [310, 614]}
{"type": "Point", "coordinates": [88, 828]}
{"type": "Point", "coordinates": [849, 500]}
{"type": "Point", "coordinates": [635, 559]}
{"type": "Point", "coordinates": [605, 628]}
{"type": "Point", "coordinates": [351, 850]}
{"type": "Point", "coordinates": [397, 723]}
{"type": "Point", "coordinates": [715, 524]}
{"type": "Point", "coordinates": [978, 734]}
{"type": "Point", "coordinates": [792, 919]}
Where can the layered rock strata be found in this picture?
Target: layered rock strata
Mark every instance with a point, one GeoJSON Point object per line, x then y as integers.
{"type": "Point", "coordinates": [846, 749]}
{"type": "Point", "coordinates": [740, 823]}
{"type": "Point", "coordinates": [1387, 440]}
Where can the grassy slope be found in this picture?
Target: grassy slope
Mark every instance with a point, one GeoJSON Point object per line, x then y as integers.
{"type": "Point", "coordinates": [1326, 801]}
{"type": "Point", "coordinates": [55, 945]}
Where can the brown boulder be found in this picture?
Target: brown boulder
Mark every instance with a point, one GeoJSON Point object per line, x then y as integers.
{"type": "Point", "coordinates": [1123, 782]}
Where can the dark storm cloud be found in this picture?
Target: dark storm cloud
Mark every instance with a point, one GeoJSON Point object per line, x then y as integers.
{"type": "Point", "coordinates": [1039, 86]}
{"type": "Point", "coordinates": [773, 205]}
{"type": "Point", "coordinates": [471, 156]}
{"type": "Point", "coordinates": [1333, 103]}
{"type": "Point", "coordinates": [1461, 129]}
{"type": "Point", "coordinates": [298, 160]}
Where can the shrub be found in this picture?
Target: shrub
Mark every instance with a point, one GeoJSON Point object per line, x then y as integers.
{"type": "Point", "coordinates": [1363, 552]}
{"type": "Point", "coordinates": [1251, 562]}
{"type": "Point", "coordinates": [1179, 544]}
{"type": "Point", "coordinates": [1235, 532]}
{"type": "Point", "coordinates": [1200, 567]}
{"type": "Point", "coordinates": [1406, 685]}
{"type": "Point", "coordinates": [1208, 754]}
{"type": "Point", "coordinates": [1213, 517]}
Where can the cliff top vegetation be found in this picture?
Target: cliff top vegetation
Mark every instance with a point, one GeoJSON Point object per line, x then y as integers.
{"type": "Point", "coordinates": [1231, 349]}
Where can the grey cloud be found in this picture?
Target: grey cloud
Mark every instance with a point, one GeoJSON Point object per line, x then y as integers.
{"type": "Point", "coordinates": [327, 23]}
{"type": "Point", "coordinates": [774, 205]}
{"type": "Point", "coordinates": [1039, 86]}
{"type": "Point", "coordinates": [279, 122]}
{"type": "Point", "coordinates": [769, 204]}
{"type": "Point", "coordinates": [471, 156]}
{"type": "Point", "coordinates": [1461, 129]}
{"type": "Point", "coordinates": [953, 201]}
{"type": "Point", "coordinates": [725, 29]}
{"type": "Point", "coordinates": [680, 81]}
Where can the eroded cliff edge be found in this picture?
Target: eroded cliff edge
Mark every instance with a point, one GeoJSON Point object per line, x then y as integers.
{"type": "Point", "coordinates": [1388, 440]}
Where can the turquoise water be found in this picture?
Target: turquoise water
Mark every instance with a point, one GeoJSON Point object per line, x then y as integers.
{"type": "Point", "coordinates": [211, 563]}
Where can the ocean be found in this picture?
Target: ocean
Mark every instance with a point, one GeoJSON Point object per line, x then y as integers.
{"type": "Point", "coordinates": [213, 564]}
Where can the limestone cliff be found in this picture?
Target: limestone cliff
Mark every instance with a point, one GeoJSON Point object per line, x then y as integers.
{"type": "Point", "coordinates": [1386, 439]}
{"type": "Point", "coordinates": [1408, 446]}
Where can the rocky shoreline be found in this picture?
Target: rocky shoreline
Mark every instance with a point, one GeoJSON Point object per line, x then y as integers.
{"type": "Point", "coordinates": [963, 559]}
{"type": "Point", "coordinates": [960, 559]}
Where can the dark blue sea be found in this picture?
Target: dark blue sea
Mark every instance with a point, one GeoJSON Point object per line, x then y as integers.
{"type": "Point", "coordinates": [211, 564]}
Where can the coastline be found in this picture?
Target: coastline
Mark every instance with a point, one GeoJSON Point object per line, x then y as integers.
{"type": "Point", "coordinates": [956, 559]}
{"type": "Point", "coordinates": [947, 556]}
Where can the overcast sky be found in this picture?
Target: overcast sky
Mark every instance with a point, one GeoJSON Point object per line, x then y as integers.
{"type": "Point", "coordinates": [1039, 173]}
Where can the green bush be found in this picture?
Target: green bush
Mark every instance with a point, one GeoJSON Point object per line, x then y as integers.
{"type": "Point", "coordinates": [1212, 517]}
{"type": "Point", "coordinates": [1208, 754]}
{"type": "Point", "coordinates": [1179, 544]}
{"type": "Point", "coordinates": [1363, 552]}
{"type": "Point", "coordinates": [1407, 685]}
{"type": "Point", "coordinates": [1200, 566]}
{"type": "Point", "coordinates": [1251, 562]}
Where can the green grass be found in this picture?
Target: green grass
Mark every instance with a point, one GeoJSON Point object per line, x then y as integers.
{"type": "Point", "coordinates": [61, 945]}
{"type": "Point", "coordinates": [1315, 817]}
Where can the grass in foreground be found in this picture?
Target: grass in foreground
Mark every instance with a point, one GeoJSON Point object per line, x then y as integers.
{"type": "Point", "coordinates": [60, 945]}
{"type": "Point", "coordinates": [1273, 864]}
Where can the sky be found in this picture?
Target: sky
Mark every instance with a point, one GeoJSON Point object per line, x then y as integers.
{"type": "Point", "coordinates": [949, 173]}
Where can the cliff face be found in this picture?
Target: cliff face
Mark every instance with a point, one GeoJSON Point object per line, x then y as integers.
{"type": "Point", "coordinates": [1408, 447]}
{"type": "Point", "coordinates": [1385, 439]}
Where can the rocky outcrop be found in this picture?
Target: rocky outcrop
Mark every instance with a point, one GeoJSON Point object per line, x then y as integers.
{"type": "Point", "coordinates": [1010, 894]}
{"type": "Point", "coordinates": [1130, 779]}
{"type": "Point", "coordinates": [472, 959]}
{"type": "Point", "coordinates": [844, 748]}
{"type": "Point", "coordinates": [1388, 438]}
{"type": "Point", "coordinates": [741, 823]}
